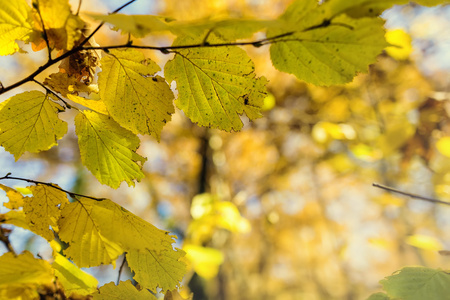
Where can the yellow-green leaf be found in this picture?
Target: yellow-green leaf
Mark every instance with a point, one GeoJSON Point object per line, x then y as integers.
{"type": "Point", "coordinates": [137, 101]}
{"type": "Point", "coordinates": [108, 150]}
{"type": "Point", "coordinates": [125, 290]}
{"type": "Point", "coordinates": [378, 296]}
{"type": "Point", "coordinates": [326, 51]}
{"type": "Point", "coordinates": [95, 105]}
{"type": "Point", "coordinates": [216, 85]}
{"type": "Point", "coordinates": [14, 25]}
{"type": "Point", "coordinates": [157, 268]}
{"type": "Point", "coordinates": [88, 247]}
{"type": "Point", "coordinates": [73, 279]}
{"type": "Point", "coordinates": [417, 283]}
{"type": "Point", "coordinates": [24, 269]}
{"type": "Point", "coordinates": [100, 223]}
{"type": "Point", "coordinates": [15, 198]}
{"type": "Point", "coordinates": [42, 210]}
{"type": "Point", "coordinates": [29, 122]}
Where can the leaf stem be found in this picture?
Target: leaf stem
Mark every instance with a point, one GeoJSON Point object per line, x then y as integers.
{"type": "Point", "coordinates": [121, 268]}
{"type": "Point", "coordinates": [390, 189]}
{"type": "Point", "coordinates": [53, 93]}
{"type": "Point", "coordinates": [71, 194]}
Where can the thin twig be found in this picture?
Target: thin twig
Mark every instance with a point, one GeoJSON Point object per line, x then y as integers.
{"type": "Point", "coordinates": [409, 194]}
{"type": "Point", "coordinates": [53, 93]}
{"type": "Point", "coordinates": [121, 269]}
{"type": "Point", "coordinates": [71, 194]}
{"type": "Point", "coordinates": [5, 239]}
{"type": "Point", "coordinates": [47, 42]}
{"type": "Point", "coordinates": [79, 6]}
{"type": "Point", "coordinates": [59, 58]}
{"type": "Point", "coordinates": [166, 49]}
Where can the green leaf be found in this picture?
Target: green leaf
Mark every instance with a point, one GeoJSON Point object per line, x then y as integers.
{"type": "Point", "coordinates": [88, 247]}
{"type": "Point", "coordinates": [378, 296]}
{"type": "Point", "coordinates": [157, 268]}
{"type": "Point", "coordinates": [322, 53]}
{"type": "Point", "coordinates": [73, 279]}
{"type": "Point", "coordinates": [125, 290]}
{"type": "Point", "coordinates": [108, 150]}
{"type": "Point", "coordinates": [29, 122]}
{"type": "Point", "coordinates": [14, 25]}
{"type": "Point", "coordinates": [137, 101]}
{"type": "Point", "coordinates": [216, 85]}
{"type": "Point", "coordinates": [418, 283]}
{"type": "Point", "coordinates": [42, 210]}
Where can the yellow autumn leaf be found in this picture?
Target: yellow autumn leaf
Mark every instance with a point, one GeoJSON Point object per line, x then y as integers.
{"type": "Point", "coordinates": [65, 84]}
{"type": "Point", "coordinates": [15, 198]}
{"type": "Point", "coordinates": [95, 105]}
{"type": "Point", "coordinates": [24, 269]}
{"type": "Point", "coordinates": [137, 101]}
{"type": "Point", "coordinates": [73, 279]}
{"type": "Point", "coordinates": [148, 247]}
{"type": "Point", "coordinates": [157, 268]}
{"type": "Point", "coordinates": [62, 27]}
{"type": "Point", "coordinates": [16, 218]}
{"type": "Point", "coordinates": [108, 150]}
{"type": "Point", "coordinates": [216, 85]}
{"type": "Point", "coordinates": [14, 25]}
{"type": "Point", "coordinates": [205, 261]}
{"type": "Point", "coordinates": [42, 210]}
{"type": "Point", "coordinates": [29, 122]}
{"type": "Point", "coordinates": [88, 247]}
{"type": "Point", "coordinates": [175, 295]}
{"type": "Point", "coordinates": [125, 290]}
{"type": "Point", "coordinates": [401, 42]}
{"type": "Point", "coordinates": [424, 242]}
{"type": "Point", "coordinates": [443, 146]}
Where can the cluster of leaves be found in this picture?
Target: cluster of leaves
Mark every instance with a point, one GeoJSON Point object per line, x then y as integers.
{"type": "Point", "coordinates": [216, 82]}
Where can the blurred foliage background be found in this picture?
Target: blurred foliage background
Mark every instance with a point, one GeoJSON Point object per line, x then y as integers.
{"type": "Point", "coordinates": [285, 209]}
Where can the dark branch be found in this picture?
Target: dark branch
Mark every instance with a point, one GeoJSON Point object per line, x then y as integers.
{"type": "Point", "coordinates": [121, 268]}
{"type": "Point", "coordinates": [47, 42]}
{"type": "Point", "coordinates": [51, 62]}
{"type": "Point", "coordinates": [409, 194]}
{"type": "Point", "coordinates": [5, 239]}
{"type": "Point", "coordinates": [166, 49]}
{"type": "Point", "coordinates": [53, 93]}
{"type": "Point", "coordinates": [73, 195]}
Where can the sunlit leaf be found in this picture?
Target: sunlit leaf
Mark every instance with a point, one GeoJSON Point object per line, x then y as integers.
{"type": "Point", "coordinates": [24, 269]}
{"type": "Point", "coordinates": [205, 261]}
{"type": "Point", "coordinates": [29, 122]}
{"type": "Point", "coordinates": [137, 101]}
{"type": "Point", "coordinates": [326, 52]}
{"type": "Point", "coordinates": [175, 295]}
{"type": "Point", "coordinates": [16, 218]}
{"type": "Point", "coordinates": [424, 242]}
{"type": "Point", "coordinates": [42, 210]}
{"type": "Point", "coordinates": [417, 283]}
{"type": "Point", "coordinates": [108, 150]}
{"type": "Point", "coordinates": [15, 198]}
{"type": "Point", "coordinates": [95, 105]}
{"type": "Point", "coordinates": [443, 146]}
{"type": "Point", "coordinates": [216, 85]}
{"type": "Point", "coordinates": [62, 27]}
{"type": "Point", "coordinates": [148, 248]}
{"type": "Point", "coordinates": [14, 25]}
{"type": "Point", "coordinates": [87, 245]}
{"type": "Point", "coordinates": [402, 44]}
{"type": "Point", "coordinates": [73, 279]}
{"type": "Point", "coordinates": [66, 85]}
{"type": "Point", "coordinates": [125, 290]}
{"type": "Point", "coordinates": [157, 268]}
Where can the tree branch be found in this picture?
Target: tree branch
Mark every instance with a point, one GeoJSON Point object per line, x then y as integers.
{"type": "Point", "coordinates": [389, 189]}
{"type": "Point", "coordinates": [53, 93]}
{"type": "Point", "coordinates": [5, 239]}
{"type": "Point", "coordinates": [121, 268]}
{"type": "Point", "coordinates": [47, 42]}
{"type": "Point", "coordinates": [51, 62]}
{"type": "Point", "coordinates": [73, 195]}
